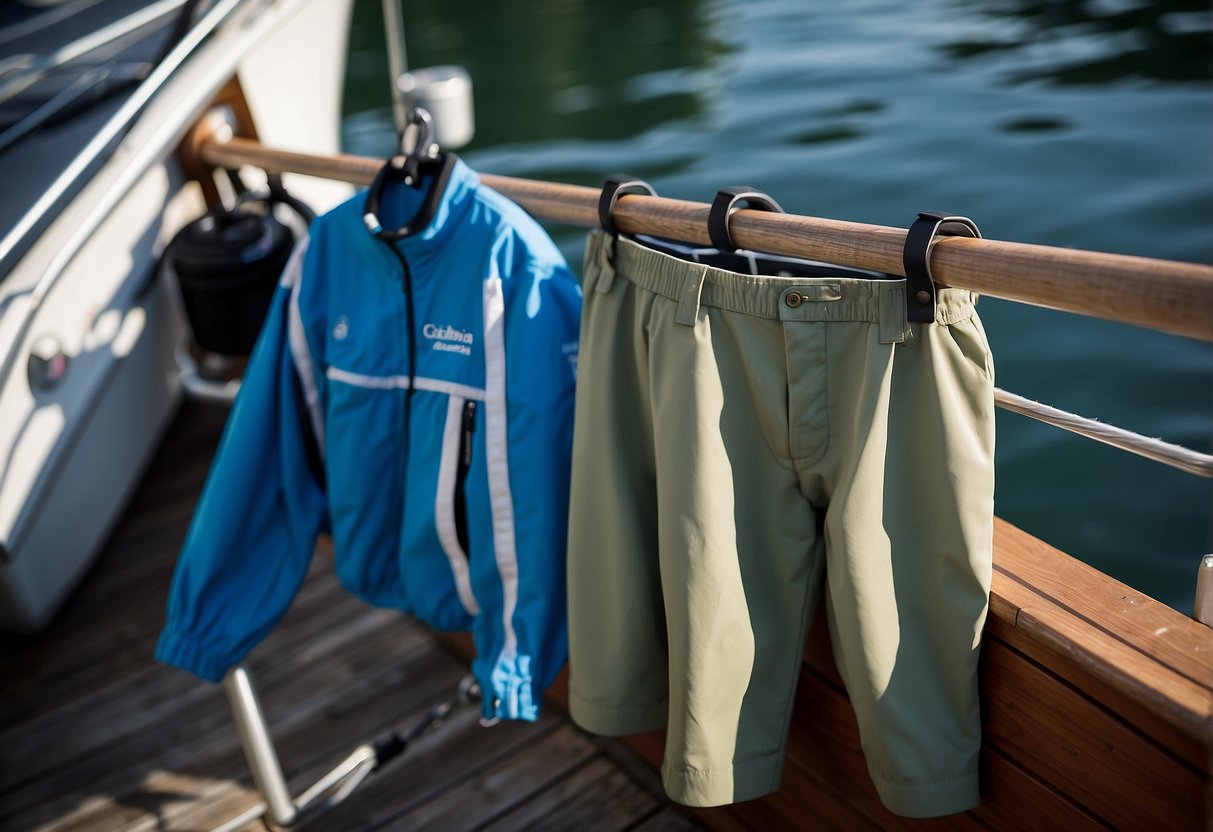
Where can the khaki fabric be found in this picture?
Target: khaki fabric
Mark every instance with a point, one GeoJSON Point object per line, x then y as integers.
{"type": "Point", "coordinates": [744, 446]}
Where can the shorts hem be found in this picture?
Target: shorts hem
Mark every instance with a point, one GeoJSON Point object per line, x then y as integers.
{"type": "Point", "coordinates": [929, 800]}
{"type": "Point", "coordinates": [747, 780]}
{"type": "Point", "coordinates": [612, 721]}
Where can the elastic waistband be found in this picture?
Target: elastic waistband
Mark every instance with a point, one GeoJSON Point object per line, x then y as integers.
{"type": "Point", "coordinates": [782, 298]}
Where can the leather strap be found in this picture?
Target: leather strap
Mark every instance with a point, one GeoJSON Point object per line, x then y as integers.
{"type": "Point", "coordinates": [916, 258]}
{"type": "Point", "coordinates": [726, 202]}
{"type": "Point", "coordinates": [614, 187]}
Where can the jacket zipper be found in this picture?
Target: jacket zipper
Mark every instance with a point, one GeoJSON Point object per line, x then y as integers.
{"type": "Point", "coordinates": [461, 474]}
{"type": "Point", "coordinates": [410, 328]}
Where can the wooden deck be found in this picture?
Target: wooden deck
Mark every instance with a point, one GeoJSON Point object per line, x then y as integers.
{"type": "Point", "coordinates": [94, 735]}
{"type": "Point", "coordinates": [1097, 703]}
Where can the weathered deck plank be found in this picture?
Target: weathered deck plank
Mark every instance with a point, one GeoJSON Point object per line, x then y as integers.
{"type": "Point", "coordinates": [192, 727]}
{"type": "Point", "coordinates": [496, 788]}
{"type": "Point", "coordinates": [595, 796]}
{"type": "Point", "coordinates": [666, 820]}
{"type": "Point", "coordinates": [109, 714]}
{"type": "Point", "coordinates": [94, 735]}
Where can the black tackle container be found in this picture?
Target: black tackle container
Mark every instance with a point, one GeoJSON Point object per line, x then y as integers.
{"type": "Point", "coordinates": [228, 263]}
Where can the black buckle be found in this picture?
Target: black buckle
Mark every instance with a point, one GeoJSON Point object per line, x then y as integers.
{"type": "Point", "coordinates": [614, 187]}
{"type": "Point", "coordinates": [916, 258]}
{"type": "Point", "coordinates": [723, 206]}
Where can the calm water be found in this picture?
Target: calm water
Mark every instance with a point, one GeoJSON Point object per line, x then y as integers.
{"type": "Point", "coordinates": [1081, 124]}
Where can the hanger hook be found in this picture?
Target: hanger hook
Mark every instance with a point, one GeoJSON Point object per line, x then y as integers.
{"type": "Point", "coordinates": [423, 145]}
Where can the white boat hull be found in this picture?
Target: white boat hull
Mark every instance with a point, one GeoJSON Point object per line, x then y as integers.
{"type": "Point", "coordinates": [106, 446]}
{"type": "Point", "coordinates": [72, 453]}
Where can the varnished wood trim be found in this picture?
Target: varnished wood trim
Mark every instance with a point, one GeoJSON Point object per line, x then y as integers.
{"type": "Point", "coordinates": [1143, 659]}
{"type": "Point", "coordinates": [1157, 294]}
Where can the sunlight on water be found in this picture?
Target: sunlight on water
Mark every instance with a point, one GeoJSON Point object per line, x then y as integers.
{"type": "Point", "coordinates": [1086, 125]}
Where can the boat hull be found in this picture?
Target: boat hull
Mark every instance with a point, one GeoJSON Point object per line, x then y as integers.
{"type": "Point", "coordinates": [72, 450]}
{"type": "Point", "coordinates": [111, 442]}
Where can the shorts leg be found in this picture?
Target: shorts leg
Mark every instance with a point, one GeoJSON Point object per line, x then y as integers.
{"type": "Point", "coordinates": [617, 629]}
{"type": "Point", "coordinates": [908, 532]}
{"type": "Point", "coordinates": [737, 540]}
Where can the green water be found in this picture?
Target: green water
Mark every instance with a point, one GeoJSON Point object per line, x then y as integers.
{"type": "Point", "coordinates": [1080, 124]}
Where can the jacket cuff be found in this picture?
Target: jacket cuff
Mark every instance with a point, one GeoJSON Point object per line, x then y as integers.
{"type": "Point", "coordinates": [188, 654]}
{"type": "Point", "coordinates": [511, 693]}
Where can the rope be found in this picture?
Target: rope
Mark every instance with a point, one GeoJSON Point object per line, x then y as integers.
{"type": "Point", "coordinates": [1156, 449]}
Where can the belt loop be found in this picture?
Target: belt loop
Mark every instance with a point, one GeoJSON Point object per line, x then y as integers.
{"type": "Point", "coordinates": [894, 328]}
{"type": "Point", "coordinates": [688, 295]}
{"type": "Point", "coordinates": [606, 268]}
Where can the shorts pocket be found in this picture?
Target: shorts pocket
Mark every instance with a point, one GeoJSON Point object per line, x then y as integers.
{"type": "Point", "coordinates": [969, 336]}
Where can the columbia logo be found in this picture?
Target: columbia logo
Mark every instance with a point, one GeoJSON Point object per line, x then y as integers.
{"type": "Point", "coordinates": [448, 339]}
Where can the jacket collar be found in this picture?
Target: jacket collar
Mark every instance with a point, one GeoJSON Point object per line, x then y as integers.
{"type": "Point", "coordinates": [399, 202]}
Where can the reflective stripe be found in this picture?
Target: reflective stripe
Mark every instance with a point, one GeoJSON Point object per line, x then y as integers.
{"type": "Point", "coordinates": [497, 458]}
{"type": "Point", "coordinates": [444, 505]}
{"type": "Point", "coordinates": [369, 382]}
{"type": "Point", "coordinates": [305, 368]}
{"type": "Point", "coordinates": [436, 385]}
{"type": "Point", "coordinates": [433, 385]}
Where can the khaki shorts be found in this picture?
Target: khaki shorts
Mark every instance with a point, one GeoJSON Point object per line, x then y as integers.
{"type": "Point", "coordinates": [741, 445]}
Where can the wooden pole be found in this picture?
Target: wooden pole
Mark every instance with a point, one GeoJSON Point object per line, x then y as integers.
{"type": "Point", "coordinates": [1164, 295]}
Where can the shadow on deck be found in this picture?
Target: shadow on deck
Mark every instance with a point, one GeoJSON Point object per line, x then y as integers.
{"type": "Point", "coordinates": [95, 735]}
{"type": "Point", "coordinates": [1097, 704]}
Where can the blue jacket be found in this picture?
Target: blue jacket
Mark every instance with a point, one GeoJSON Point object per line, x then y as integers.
{"type": "Point", "coordinates": [460, 519]}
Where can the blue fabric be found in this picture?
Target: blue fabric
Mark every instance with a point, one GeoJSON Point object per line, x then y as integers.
{"type": "Point", "coordinates": [497, 316]}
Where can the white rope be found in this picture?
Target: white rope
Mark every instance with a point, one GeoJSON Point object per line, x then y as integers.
{"type": "Point", "coordinates": [1174, 455]}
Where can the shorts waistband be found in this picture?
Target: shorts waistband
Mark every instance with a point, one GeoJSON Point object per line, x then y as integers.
{"type": "Point", "coordinates": [782, 298]}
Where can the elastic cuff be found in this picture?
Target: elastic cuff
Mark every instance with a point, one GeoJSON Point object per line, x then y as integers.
{"type": "Point", "coordinates": [510, 693]}
{"type": "Point", "coordinates": [183, 652]}
{"type": "Point", "coordinates": [929, 800]}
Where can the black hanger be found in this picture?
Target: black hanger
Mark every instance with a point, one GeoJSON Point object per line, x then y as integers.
{"type": "Point", "coordinates": [424, 162]}
{"type": "Point", "coordinates": [916, 258]}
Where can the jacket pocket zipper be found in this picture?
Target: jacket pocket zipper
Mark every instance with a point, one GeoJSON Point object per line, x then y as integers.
{"type": "Point", "coordinates": [461, 474]}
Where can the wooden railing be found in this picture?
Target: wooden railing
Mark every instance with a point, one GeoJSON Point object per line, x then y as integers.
{"type": "Point", "coordinates": [1164, 295]}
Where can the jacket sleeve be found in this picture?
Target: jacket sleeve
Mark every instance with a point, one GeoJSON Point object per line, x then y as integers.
{"type": "Point", "coordinates": [531, 369]}
{"type": "Point", "coordinates": [249, 545]}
